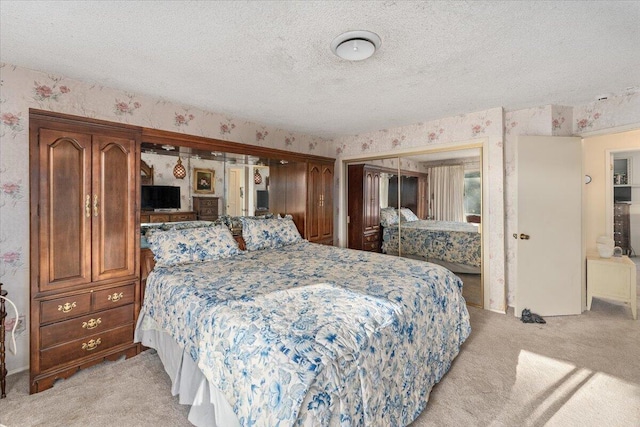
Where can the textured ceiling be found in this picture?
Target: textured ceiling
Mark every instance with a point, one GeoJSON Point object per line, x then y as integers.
{"type": "Point", "coordinates": [270, 62]}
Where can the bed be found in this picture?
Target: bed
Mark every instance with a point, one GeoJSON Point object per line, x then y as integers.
{"type": "Point", "coordinates": [295, 333]}
{"type": "Point", "coordinates": [454, 245]}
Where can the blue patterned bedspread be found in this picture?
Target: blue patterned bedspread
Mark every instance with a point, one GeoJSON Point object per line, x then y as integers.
{"type": "Point", "coordinates": [315, 335]}
{"type": "Point", "coordinates": [457, 242]}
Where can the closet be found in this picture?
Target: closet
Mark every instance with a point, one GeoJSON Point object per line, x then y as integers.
{"type": "Point", "coordinates": [84, 188]}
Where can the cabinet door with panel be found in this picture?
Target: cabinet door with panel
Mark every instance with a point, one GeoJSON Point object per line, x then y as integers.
{"type": "Point", "coordinates": [320, 203]}
{"type": "Point", "coordinates": [84, 245]}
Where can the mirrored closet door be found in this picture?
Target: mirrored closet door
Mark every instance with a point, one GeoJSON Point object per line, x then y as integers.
{"type": "Point", "coordinates": [425, 206]}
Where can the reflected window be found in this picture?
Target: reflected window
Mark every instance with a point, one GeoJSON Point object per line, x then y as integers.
{"type": "Point", "coordinates": [472, 193]}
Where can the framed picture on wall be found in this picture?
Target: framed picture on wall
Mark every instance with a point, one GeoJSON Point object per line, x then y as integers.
{"type": "Point", "coordinates": [203, 180]}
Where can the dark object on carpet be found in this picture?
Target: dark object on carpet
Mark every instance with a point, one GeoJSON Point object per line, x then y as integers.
{"type": "Point", "coordinates": [529, 317]}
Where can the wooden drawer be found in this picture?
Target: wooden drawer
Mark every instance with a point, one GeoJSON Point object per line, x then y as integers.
{"type": "Point", "coordinates": [373, 237]}
{"type": "Point", "coordinates": [183, 217]}
{"type": "Point", "coordinates": [208, 212]}
{"type": "Point", "coordinates": [158, 218]}
{"type": "Point", "coordinates": [145, 218]}
{"type": "Point", "coordinates": [65, 308]}
{"type": "Point", "coordinates": [209, 203]}
{"type": "Point", "coordinates": [370, 246]}
{"type": "Point", "coordinates": [87, 346]}
{"type": "Point", "coordinates": [113, 297]}
{"type": "Point", "coordinates": [84, 326]}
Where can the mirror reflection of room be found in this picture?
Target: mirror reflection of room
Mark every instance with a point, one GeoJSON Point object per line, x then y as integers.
{"type": "Point", "coordinates": [235, 184]}
{"type": "Point", "coordinates": [425, 207]}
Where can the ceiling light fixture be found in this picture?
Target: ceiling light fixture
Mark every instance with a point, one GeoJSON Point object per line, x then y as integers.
{"type": "Point", "coordinates": [355, 45]}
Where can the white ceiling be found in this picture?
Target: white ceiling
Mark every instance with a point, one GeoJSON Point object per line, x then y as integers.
{"type": "Point", "coordinates": [269, 61]}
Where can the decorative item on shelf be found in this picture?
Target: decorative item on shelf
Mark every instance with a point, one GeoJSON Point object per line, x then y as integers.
{"type": "Point", "coordinates": [605, 246]}
{"type": "Point", "coordinates": [257, 178]}
{"type": "Point", "coordinates": [178, 170]}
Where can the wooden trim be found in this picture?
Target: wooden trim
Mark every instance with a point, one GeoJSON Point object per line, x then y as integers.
{"type": "Point", "coordinates": [157, 136]}
{"type": "Point", "coordinates": [51, 116]}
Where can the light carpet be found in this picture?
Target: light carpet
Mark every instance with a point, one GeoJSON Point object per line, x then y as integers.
{"type": "Point", "coordinates": [574, 371]}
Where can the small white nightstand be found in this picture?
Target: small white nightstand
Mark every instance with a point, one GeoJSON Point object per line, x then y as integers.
{"type": "Point", "coordinates": [612, 278]}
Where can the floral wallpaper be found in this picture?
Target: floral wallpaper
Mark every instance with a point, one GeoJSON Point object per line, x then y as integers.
{"type": "Point", "coordinates": [21, 89]}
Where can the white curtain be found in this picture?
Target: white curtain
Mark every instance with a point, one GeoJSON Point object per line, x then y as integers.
{"type": "Point", "coordinates": [446, 187]}
{"type": "Point", "coordinates": [384, 190]}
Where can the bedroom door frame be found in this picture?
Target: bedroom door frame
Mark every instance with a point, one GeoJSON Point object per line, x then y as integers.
{"type": "Point", "coordinates": [481, 144]}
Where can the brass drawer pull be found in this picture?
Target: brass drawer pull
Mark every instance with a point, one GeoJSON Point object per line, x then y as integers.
{"type": "Point", "coordinates": [95, 205]}
{"type": "Point", "coordinates": [92, 323]}
{"type": "Point", "coordinates": [91, 345]}
{"type": "Point", "coordinates": [87, 206]}
{"type": "Point", "coordinates": [67, 307]}
{"type": "Point", "coordinates": [115, 296]}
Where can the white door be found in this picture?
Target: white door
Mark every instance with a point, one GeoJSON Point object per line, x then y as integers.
{"type": "Point", "coordinates": [549, 232]}
{"type": "Point", "coordinates": [235, 198]}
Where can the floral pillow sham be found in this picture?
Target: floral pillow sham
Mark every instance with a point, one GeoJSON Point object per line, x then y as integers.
{"type": "Point", "coordinates": [407, 215]}
{"type": "Point", "coordinates": [389, 216]}
{"type": "Point", "coordinates": [269, 233]}
{"type": "Point", "coordinates": [174, 247]}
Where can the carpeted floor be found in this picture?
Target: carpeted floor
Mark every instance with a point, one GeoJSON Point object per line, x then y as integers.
{"type": "Point", "coordinates": [574, 371]}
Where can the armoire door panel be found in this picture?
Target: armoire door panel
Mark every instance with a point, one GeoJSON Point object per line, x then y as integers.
{"type": "Point", "coordinates": [314, 202]}
{"type": "Point", "coordinates": [326, 217]}
{"type": "Point", "coordinates": [113, 207]}
{"type": "Point", "coordinates": [65, 226]}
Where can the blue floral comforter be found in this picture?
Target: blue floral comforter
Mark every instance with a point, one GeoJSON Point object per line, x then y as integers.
{"type": "Point", "coordinates": [456, 242]}
{"type": "Point", "coordinates": [309, 334]}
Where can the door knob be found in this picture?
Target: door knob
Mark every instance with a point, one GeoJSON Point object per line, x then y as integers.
{"type": "Point", "coordinates": [524, 236]}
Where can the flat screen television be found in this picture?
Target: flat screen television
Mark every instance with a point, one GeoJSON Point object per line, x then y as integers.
{"type": "Point", "coordinates": [621, 194]}
{"type": "Point", "coordinates": [160, 197]}
{"type": "Point", "coordinates": [262, 200]}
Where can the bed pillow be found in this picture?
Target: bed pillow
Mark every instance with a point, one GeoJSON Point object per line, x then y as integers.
{"type": "Point", "coordinates": [388, 217]}
{"type": "Point", "coordinates": [214, 243]}
{"type": "Point", "coordinates": [269, 233]}
{"type": "Point", "coordinates": [407, 215]}
{"type": "Point", "coordinates": [174, 247]}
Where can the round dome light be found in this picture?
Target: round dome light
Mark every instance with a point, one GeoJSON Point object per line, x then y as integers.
{"type": "Point", "coordinates": [355, 45]}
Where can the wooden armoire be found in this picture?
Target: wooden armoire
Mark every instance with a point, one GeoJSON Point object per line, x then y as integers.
{"type": "Point", "coordinates": [85, 295]}
{"type": "Point", "coordinates": [304, 190]}
{"type": "Point", "coordinates": [364, 208]}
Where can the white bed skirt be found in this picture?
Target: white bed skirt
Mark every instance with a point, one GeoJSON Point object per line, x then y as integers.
{"type": "Point", "coordinates": [209, 408]}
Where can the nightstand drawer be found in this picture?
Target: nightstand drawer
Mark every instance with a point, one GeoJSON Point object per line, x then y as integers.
{"type": "Point", "coordinates": [65, 308]}
{"type": "Point", "coordinates": [87, 346]}
{"type": "Point", "coordinates": [86, 325]}
{"type": "Point", "coordinates": [114, 297]}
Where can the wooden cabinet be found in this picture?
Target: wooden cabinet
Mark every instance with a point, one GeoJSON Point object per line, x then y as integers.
{"type": "Point", "coordinates": [320, 203]}
{"type": "Point", "coordinates": [206, 208]}
{"type": "Point", "coordinates": [84, 244]}
{"type": "Point", "coordinates": [621, 227]}
{"type": "Point", "coordinates": [364, 208]}
{"type": "Point", "coordinates": [155, 217]}
{"type": "Point", "coordinates": [304, 190]}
